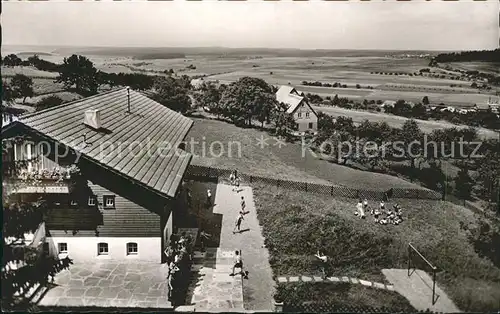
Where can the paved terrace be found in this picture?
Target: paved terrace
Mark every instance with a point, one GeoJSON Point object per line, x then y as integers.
{"type": "Point", "coordinates": [108, 284]}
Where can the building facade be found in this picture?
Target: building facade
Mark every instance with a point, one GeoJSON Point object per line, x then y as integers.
{"type": "Point", "coordinates": [298, 106]}
{"type": "Point", "coordinates": [112, 204]}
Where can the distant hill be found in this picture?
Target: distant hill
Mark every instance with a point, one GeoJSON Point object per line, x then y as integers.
{"type": "Point", "coordinates": [466, 56]}
{"type": "Point", "coordinates": [168, 52]}
{"type": "Point", "coordinates": [31, 54]}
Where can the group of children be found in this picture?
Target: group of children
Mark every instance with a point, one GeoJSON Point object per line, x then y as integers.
{"type": "Point", "coordinates": [381, 215]}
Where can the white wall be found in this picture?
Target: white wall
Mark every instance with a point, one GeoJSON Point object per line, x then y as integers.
{"type": "Point", "coordinates": [85, 248]}
{"type": "Point", "coordinates": [303, 121]}
{"type": "Point", "coordinates": [168, 230]}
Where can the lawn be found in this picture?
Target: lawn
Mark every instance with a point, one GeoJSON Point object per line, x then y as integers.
{"type": "Point", "coordinates": [28, 71]}
{"type": "Point", "coordinates": [214, 138]}
{"type": "Point", "coordinates": [359, 116]}
{"type": "Point", "coordinates": [345, 297]}
{"type": "Point", "coordinates": [296, 224]}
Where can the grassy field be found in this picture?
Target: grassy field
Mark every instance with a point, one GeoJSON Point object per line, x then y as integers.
{"type": "Point", "coordinates": [486, 67]}
{"type": "Point", "coordinates": [294, 70]}
{"type": "Point", "coordinates": [395, 121]}
{"type": "Point", "coordinates": [362, 248]}
{"type": "Point", "coordinates": [28, 71]}
{"type": "Point", "coordinates": [285, 162]}
{"type": "Point", "coordinates": [343, 296]}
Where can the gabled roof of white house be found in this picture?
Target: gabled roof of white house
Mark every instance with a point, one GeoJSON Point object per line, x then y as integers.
{"type": "Point", "coordinates": [289, 96]}
{"type": "Point", "coordinates": [159, 165]}
{"type": "Point", "coordinates": [294, 102]}
{"type": "Point", "coordinates": [283, 92]}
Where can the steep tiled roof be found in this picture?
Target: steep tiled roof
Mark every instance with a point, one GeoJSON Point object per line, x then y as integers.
{"type": "Point", "coordinates": [283, 92]}
{"type": "Point", "coordinates": [293, 101]}
{"type": "Point", "coordinates": [289, 95]}
{"type": "Point", "coordinates": [157, 163]}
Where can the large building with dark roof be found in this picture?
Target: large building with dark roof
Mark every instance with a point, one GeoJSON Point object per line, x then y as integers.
{"type": "Point", "coordinates": [127, 148]}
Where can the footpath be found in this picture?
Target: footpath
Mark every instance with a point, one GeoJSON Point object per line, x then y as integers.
{"type": "Point", "coordinates": [418, 290]}
{"type": "Point", "coordinates": [216, 290]}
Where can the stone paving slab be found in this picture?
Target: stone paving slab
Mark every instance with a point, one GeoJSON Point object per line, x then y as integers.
{"type": "Point", "coordinates": [110, 284]}
{"type": "Point", "coordinates": [318, 279]}
{"type": "Point", "coordinates": [379, 285]}
{"type": "Point", "coordinates": [217, 291]}
{"type": "Point", "coordinates": [282, 279]}
{"type": "Point", "coordinates": [293, 279]}
{"type": "Point", "coordinates": [365, 283]}
{"type": "Point", "coordinates": [306, 278]}
{"type": "Point", "coordinates": [333, 279]}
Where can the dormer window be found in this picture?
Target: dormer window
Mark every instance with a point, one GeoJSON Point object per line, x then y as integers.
{"type": "Point", "coordinates": [92, 201]}
{"type": "Point", "coordinates": [109, 201]}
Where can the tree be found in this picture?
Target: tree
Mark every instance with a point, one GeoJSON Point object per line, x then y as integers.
{"type": "Point", "coordinates": [463, 184]}
{"type": "Point", "coordinates": [248, 98]}
{"type": "Point", "coordinates": [22, 86]}
{"type": "Point", "coordinates": [171, 93]}
{"type": "Point", "coordinates": [411, 138]}
{"type": "Point", "coordinates": [401, 108]}
{"type": "Point", "coordinates": [48, 102]}
{"type": "Point", "coordinates": [425, 100]}
{"type": "Point", "coordinates": [12, 60]}
{"type": "Point", "coordinates": [419, 111]}
{"type": "Point", "coordinates": [7, 93]}
{"type": "Point", "coordinates": [79, 73]}
{"type": "Point", "coordinates": [284, 123]}
{"type": "Point", "coordinates": [209, 95]}
{"type": "Point", "coordinates": [489, 172]}
{"type": "Point", "coordinates": [344, 124]}
{"type": "Point", "coordinates": [33, 266]}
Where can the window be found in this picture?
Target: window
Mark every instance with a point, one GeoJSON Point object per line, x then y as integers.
{"type": "Point", "coordinates": [92, 201]}
{"type": "Point", "coordinates": [102, 248]}
{"type": "Point", "coordinates": [62, 248]}
{"type": "Point", "coordinates": [307, 114]}
{"type": "Point", "coordinates": [299, 114]}
{"type": "Point", "coordinates": [109, 201]}
{"type": "Point", "coordinates": [310, 125]}
{"type": "Point", "coordinates": [132, 248]}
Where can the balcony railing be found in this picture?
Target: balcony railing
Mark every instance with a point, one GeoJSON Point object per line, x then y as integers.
{"type": "Point", "coordinates": [55, 180]}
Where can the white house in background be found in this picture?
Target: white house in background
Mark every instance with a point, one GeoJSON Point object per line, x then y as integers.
{"type": "Point", "coordinates": [494, 106]}
{"type": "Point", "coordinates": [298, 106]}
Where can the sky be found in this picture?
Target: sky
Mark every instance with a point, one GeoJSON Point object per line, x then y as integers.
{"type": "Point", "coordinates": [390, 25]}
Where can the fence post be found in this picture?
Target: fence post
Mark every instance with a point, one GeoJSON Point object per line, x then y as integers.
{"type": "Point", "coordinates": [409, 259]}
{"type": "Point", "coordinates": [306, 186]}
{"type": "Point", "coordinates": [433, 285]}
{"type": "Point", "coordinates": [251, 179]}
{"type": "Point", "coordinates": [331, 193]}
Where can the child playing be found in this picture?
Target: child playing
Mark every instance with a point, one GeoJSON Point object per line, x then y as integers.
{"type": "Point", "coordinates": [238, 223]}
{"type": "Point", "coordinates": [359, 210]}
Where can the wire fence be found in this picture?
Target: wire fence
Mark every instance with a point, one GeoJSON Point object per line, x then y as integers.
{"type": "Point", "coordinates": [335, 307]}
{"type": "Point", "coordinates": [212, 174]}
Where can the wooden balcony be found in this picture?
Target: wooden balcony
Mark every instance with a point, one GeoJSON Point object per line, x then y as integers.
{"type": "Point", "coordinates": [37, 181]}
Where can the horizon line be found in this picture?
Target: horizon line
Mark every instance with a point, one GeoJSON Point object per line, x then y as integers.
{"type": "Point", "coordinates": [256, 48]}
